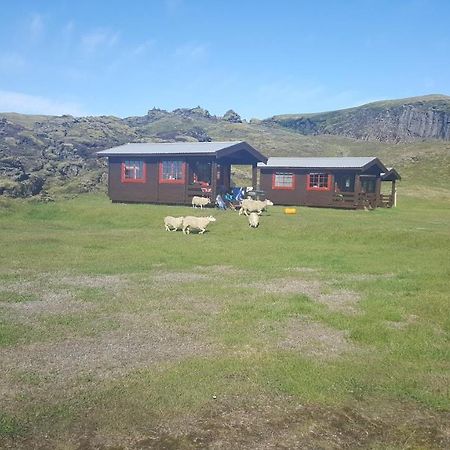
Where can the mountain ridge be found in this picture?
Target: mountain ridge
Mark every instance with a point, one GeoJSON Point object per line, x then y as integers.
{"type": "Point", "coordinates": [55, 155]}
{"type": "Point", "coordinates": [398, 120]}
{"type": "Point", "coordinates": [386, 102]}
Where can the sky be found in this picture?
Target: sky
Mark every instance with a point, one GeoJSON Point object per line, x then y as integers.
{"type": "Point", "coordinates": [257, 57]}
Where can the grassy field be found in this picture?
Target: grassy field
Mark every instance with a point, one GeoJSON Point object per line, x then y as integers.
{"type": "Point", "coordinates": [326, 329]}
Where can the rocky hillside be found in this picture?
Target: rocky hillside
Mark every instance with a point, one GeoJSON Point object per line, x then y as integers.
{"type": "Point", "coordinates": [50, 156]}
{"type": "Point", "coordinates": [405, 120]}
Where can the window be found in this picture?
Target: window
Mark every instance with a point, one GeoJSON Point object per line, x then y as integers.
{"type": "Point", "coordinates": [368, 184]}
{"type": "Point", "coordinates": [200, 172]}
{"type": "Point", "coordinates": [318, 182]}
{"type": "Point", "coordinates": [133, 171]}
{"type": "Point", "coordinates": [283, 180]}
{"type": "Point", "coordinates": [172, 172]}
{"type": "Point", "coordinates": [344, 182]}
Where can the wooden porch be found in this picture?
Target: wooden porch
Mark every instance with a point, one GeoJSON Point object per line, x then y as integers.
{"type": "Point", "coordinates": [361, 200]}
{"type": "Point", "coordinates": [218, 180]}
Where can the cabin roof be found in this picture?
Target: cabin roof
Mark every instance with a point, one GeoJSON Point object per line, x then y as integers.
{"type": "Point", "coordinates": [167, 148]}
{"type": "Point", "coordinates": [390, 175]}
{"type": "Point", "coordinates": [343, 162]}
{"type": "Point", "coordinates": [223, 149]}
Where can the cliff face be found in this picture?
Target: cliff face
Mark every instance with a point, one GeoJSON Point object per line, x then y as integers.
{"type": "Point", "coordinates": [405, 123]}
{"type": "Point", "coordinates": [395, 121]}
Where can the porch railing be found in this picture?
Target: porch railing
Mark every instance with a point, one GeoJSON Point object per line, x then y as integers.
{"type": "Point", "coordinates": [345, 199]}
{"type": "Point", "coordinates": [362, 200]}
{"type": "Point", "coordinates": [386, 201]}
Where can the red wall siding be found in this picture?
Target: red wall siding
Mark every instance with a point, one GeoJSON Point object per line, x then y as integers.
{"type": "Point", "coordinates": [149, 192]}
{"type": "Point", "coordinates": [298, 196]}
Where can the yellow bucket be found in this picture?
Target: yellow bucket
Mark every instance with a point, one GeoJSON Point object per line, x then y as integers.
{"type": "Point", "coordinates": [290, 210]}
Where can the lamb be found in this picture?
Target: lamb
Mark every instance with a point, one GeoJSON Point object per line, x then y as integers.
{"type": "Point", "coordinates": [253, 220]}
{"type": "Point", "coordinates": [196, 223]}
{"type": "Point", "coordinates": [200, 201]}
{"type": "Point", "coordinates": [249, 205]}
{"type": "Point", "coordinates": [173, 223]}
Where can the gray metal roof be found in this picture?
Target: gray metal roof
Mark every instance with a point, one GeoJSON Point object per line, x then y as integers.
{"type": "Point", "coordinates": [390, 175]}
{"type": "Point", "coordinates": [344, 162]}
{"type": "Point", "coordinates": [167, 148]}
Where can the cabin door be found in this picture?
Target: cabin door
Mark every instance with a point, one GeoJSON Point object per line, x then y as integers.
{"type": "Point", "coordinates": [344, 183]}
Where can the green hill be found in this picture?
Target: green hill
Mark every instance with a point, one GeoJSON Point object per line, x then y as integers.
{"type": "Point", "coordinates": [56, 155]}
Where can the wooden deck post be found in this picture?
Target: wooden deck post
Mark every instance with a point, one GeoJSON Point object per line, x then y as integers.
{"type": "Point", "coordinates": [378, 192]}
{"type": "Point", "coordinates": [357, 191]}
{"type": "Point", "coordinates": [213, 181]}
{"type": "Point", "coordinates": [394, 194]}
{"type": "Point", "coordinates": [225, 176]}
{"type": "Point", "coordinates": [186, 182]}
{"type": "Point", "coordinates": [254, 176]}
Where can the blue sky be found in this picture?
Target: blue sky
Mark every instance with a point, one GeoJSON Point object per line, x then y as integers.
{"type": "Point", "coordinates": [259, 58]}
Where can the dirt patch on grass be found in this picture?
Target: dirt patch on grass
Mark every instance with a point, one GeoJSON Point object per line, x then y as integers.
{"type": "Point", "coordinates": [301, 269]}
{"type": "Point", "coordinates": [94, 281]}
{"type": "Point", "coordinates": [178, 277]}
{"type": "Point", "coordinates": [315, 339]}
{"type": "Point", "coordinates": [52, 290]}
{"type": "Point", "coordinates": [141, 341]}
{"type": "Point", "coordinates": [284, 423]}
{"type": "Point", "coordinates": [310, 288]}
{"type": "Point", "coordinates": [46, 281]}
{"type": "Point", "coordinates": [221, 270]}
{"type": "Point", "coordinates": [262, 422]}
{"type": "Point", "coordinates": [50, 303]}
{"type": "Point", "coordinates": [337, 300]}
{"type": "Point", "coordinates": [191, 305]}
{"type": "Point", "coordinates": [344, 301]}
{"type": "Point", "coordinates": [56, 293]}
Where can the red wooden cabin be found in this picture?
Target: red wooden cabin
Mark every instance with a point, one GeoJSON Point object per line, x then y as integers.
{"type": "Point", "coordinates": [172, 173]}
{"type": "Point", "coordinates": [339, 182]}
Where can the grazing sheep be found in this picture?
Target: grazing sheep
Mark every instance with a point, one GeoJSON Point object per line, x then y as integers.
{"type": "Point", "coordinates": [253, 220]}
{"type": "Point", "coordinates": [200, 201]}
{"type": "Point", "coordinates": [258, 206]}
{"type": "Point", "coordinates": [173, 223]}
{"type": "Point", "coordinates": [196, 223]}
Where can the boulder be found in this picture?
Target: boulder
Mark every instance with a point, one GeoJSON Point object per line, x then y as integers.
{"type": "Point", "coordinates": [232, 116]}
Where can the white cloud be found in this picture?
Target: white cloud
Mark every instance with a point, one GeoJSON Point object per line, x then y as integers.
{"type": "Point", "coordinates": [68, 28]}
{"type": "Point", "coordinates": [98, 39]}
{"type": "Point", "coordinates": [191, 51]}
{"type": "Point", "coordinates": [143, 48]}
{"type": "Point", "coordinates": [36, 26]}
{"type": "Point", "coordinates": [31, 104]}
{"type": "Point", "coordinates": [285, 96]}
{"type": "Point", "coordinates": [173, 6]}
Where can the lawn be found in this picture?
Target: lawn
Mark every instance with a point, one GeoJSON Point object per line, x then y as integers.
{"type": "Point", "coordinates": [326, 329]}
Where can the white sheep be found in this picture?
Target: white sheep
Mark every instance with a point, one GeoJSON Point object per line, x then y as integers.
{"type": "Point", "coordinates": [200, 201]}
{"type": "Point", "coordinates": [173, 223]}
{"type": "Point", "coordinates": [196, 223]}
{"type": "Point", "coordinates": [248, 205]}
{"type": "Point", "coordinates": [253, 220]}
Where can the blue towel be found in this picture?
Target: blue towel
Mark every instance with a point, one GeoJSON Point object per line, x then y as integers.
{"type": "Point", "coordinates": [220, 203]}
{"type": "Point", "coordinates": [238, 193]}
